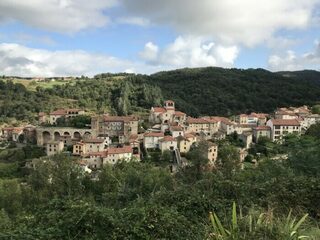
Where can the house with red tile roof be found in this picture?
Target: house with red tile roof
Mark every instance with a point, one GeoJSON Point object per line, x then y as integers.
{"type": "Point", "coordinates": [61, 113]}
{"type": "Point", "coordinates": [168, 143]}
{"type": "Point", "coordinates": [166, 114]}
{"type": "Point", "coordinates": [114, 155]}
{"type": "Point", "coordinates": [121, 127]}
{"type": "Point", "coordinates": [282, 127]}
{"type": "Point", "coordinates": [261, 131]}
{"type": "Point", "coordinates": [151, 139]}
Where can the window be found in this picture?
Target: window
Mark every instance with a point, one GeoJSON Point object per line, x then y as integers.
{"type": "Point", "coordinates": [277, 132]}
{"type": "Point", "coordinates": [277, 127]}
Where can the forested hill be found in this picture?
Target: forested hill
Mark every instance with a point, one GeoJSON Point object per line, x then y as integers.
{"type": "Point", "coordinates": [198, 91]}
{"type": "Point", "coordinates": [218, 91]}
{"type": "Point", "coordinates": [304, 74]}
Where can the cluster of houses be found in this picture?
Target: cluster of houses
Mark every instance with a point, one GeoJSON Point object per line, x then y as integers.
{"type": "Point", "coordinates": [110, 139]}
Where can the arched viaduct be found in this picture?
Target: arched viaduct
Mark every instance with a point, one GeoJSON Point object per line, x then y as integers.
{"type": "Point", "coordinates": [46, 134]}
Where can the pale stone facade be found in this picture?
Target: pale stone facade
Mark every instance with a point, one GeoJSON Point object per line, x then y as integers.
{"type": "Point", "coordinates": [282, 127]}
{"type": "Point", "coordinates": [54, 147]}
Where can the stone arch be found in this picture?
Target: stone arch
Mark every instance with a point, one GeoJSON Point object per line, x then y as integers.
{"type": "Point", "coordinates": [77, 135]}
{"type": "Point", "coordinates": [46, 136]}
{"type": "Point", "coordinates": [56, 136]}
{"type": "Point", "coordinates": [66, 134]}
{"type": "Point", "coordinates": [87, 135]}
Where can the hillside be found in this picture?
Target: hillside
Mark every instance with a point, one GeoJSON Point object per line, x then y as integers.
{"type": "Point", "coordinates": [200, 91]}
{"type": "Point", "coordinates": [218, 91]}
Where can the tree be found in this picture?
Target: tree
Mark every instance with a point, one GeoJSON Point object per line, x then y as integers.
{"type": "Point", "coordinates": [229, 159]}
{"type": "Point", "coordinates": [198, 156]}
{"type": "Point", "coordinates": [314, 131]}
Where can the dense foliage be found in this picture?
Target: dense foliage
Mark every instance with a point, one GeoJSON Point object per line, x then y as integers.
{"type": "Point", "coordinates": [203, 91]}
{"type": "Point", "coordinates": [57, 200]}
{"type": "Point", "coordinates": [218, 91]}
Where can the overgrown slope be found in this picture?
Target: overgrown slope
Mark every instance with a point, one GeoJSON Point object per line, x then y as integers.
{"type": "Point", "coordinates": [218, 91]}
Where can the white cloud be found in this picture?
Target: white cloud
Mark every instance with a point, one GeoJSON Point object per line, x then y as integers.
{"type": "Point", "coordinates": [247, 22]}
{"type": "Point", "coordinates": [150, 52]}
{"type": "Point", "coordinates": [190, 52]}
{"type": "Point", "coordinates": [19, 60]}
{"type": "Point", "coordinates": [67, 16]}
{"type": "Point", "coordinates": [291, 61]}
{"type": "Point", "coordinates": [143, 22]}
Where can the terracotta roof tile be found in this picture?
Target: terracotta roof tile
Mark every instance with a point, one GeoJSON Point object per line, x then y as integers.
{"type": "Point", "coordinates": [159, 109]}
{"type": "Point", "coordinates": [262, 128]}
{"type": "Point", "coordinates": [167, 139]}
{"type": "Point", "coordinates": [285, 122]}
{"type": "Point", "coordinates": [125, 149]}
{"type": "Point", "coordinates": [154, 134]}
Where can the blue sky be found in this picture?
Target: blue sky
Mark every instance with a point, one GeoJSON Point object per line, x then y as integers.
{"type": "Point", "coordinates": [78, 37]}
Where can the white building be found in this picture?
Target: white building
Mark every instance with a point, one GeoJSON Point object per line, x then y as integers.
{"type": "Point", "coordinates": [115, 155]}
{"type": "Point", "coordinates": [176, 131]}
{"type": "Point", "coordinates": [282, 127]}
{"type": "Point", "coordinates": [151, 139]}
{"type": "Point", "coordinates": [168, 143]}
{"type": "Point", "coordinates": [261, 131]}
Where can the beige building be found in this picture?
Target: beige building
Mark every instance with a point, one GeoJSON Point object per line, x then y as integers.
{"type": "Point", "coordinates": [114, 155]}
{"type": "Point", "coordinates": [94, 160]}
{"type": "Point", "coordinates": [168, 143]}
{"type": "Point", "coordinates": [246, 138]}
{"type": "Point", "coordinates": [54, 147]}
{"type": "Point", "coordinates": [253, 118]}
{"type": "Point", "coordinates": [90, 146]}
{"type": "Point", "coordinates": [282, 127]}
{"type": "Point", "coordinates": [166, 114]}
{"type": "Point", "coordinates": [115, 126]}
{"type": "Point", "coordinates": [151, 140]}
{"type": "Point", "coordinates": [62, 113]}
{"type": "Point", "coordinates": [176, 131]}
{"type": "Point", "coordinates": [185, 142]}
{"type": "Point", "coordinates": [261, 131]}
{"type": "Point", "coordinates": [212, 153]}
{"type": "Point", "coordinates": [206, 125]}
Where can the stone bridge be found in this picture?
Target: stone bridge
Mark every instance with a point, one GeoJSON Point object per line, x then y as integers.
{"type": "Point", "coordinates": [46, 134]}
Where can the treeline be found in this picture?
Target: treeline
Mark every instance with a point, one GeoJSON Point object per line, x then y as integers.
{"type": "Point", "coordinates": [201, 91]}
{"type": "Point", "coordinates": [218, 91]}
{"type": "Point", "coordinates": [144, 201]}
{"type": "Point", "coordinates": [117, 96]}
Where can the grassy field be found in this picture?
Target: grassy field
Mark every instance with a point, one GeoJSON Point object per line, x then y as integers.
{"type": "Point", "coordinates": [32, 85]}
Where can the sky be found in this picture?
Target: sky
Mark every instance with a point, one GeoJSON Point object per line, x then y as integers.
{"type": "Point", "coordinates": [45, 38]}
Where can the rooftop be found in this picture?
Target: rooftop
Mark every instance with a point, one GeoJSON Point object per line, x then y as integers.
{"type": "Point", "coordinates": [285, 122]}
{"type": "Point", "coordinates": [125, 149]}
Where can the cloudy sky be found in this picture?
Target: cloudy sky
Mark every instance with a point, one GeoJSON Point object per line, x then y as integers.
{"type": "Point", "coordinates": [81, 37]}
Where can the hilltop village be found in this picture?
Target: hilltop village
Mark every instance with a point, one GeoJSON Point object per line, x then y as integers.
{"type": "Point", "coordinates": [109, 139]}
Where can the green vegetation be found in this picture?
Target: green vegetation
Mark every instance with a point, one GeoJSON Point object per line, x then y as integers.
{"type": "Point", "coordinates": [218, 91]}
{"type": "Point", "coordinates": [57, 200]}
{"type": "Point", "coordinates": [203, 91]}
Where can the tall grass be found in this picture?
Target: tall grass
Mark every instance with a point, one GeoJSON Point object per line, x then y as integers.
{"type": "Point", "coordinates": [254, 225]}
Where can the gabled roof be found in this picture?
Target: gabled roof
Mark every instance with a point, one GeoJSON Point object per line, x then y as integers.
{"type": "Point", "coordinates": [189, 135]}
{"type": "Point", "coordinates": [191, 120]}
{"type": "Point", "coordinates": [262, 128]}
{"type": "Point", "coordinates": [154, 134]}
{"type": "Point", "coordinates": [176, 128]}
{"type": "Point", "coordinates": [167, 139]}
{"type": "Point", "coordinates": [285, 122]}
{"type": "Point", "coordinates": [179, 114]}
{"type": "Point", "coordinates": [59, 112]}
{"type": "Point", "coordinates": [159, 109]}
{"type": "Point", "coordinates": [125, 149]}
